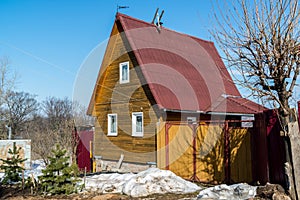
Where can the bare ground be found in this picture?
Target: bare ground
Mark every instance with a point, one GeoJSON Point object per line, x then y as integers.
{"type": "Point", "coordinates": [15, 193]}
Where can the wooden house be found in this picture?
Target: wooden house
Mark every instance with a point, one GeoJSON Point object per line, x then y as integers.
{"type": "Point", "coordinates": [166, 98]}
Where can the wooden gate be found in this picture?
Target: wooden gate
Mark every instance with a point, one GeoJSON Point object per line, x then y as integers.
{"type": "Point", "coordinates": [205, 152]}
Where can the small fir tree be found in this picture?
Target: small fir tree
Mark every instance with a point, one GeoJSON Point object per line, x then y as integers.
{"type": "Point", "coordinates": [59, 177]}
{"type": "Point", "coordinates": [12, 166]}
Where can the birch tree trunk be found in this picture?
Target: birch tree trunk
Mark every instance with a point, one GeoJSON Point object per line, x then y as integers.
{"type": "Point", "coordinates": [294, 136]}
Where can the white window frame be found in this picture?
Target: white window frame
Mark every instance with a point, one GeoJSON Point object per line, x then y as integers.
{"type": "Point", "coordinates": [109, 118]}
{"type": "Point", "coordinates": [121, 74]}
{"type": "Point", "coordinates": [136, 133]}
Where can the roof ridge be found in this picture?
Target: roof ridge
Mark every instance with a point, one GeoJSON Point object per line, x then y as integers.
{"type": "Point", "coordinates": [163, 27]}
{"type": "Point", "coordinates": [118, 15]}
{"type": "Point", "coordinates": [242, 104]}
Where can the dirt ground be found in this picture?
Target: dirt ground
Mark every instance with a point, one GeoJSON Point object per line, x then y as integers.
{"type": "Point", "coordinates": [13, 193]}
{"type": "Point", "coordinates": [270, 191]}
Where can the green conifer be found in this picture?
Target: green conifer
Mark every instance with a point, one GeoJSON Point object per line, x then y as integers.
{"type": "Point", "coordinates": [12, 165]}
{"type": "Point", "coordinates": [59, 177]}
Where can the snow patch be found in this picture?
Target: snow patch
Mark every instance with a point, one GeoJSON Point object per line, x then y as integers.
{"type": "Point", "coordinates": [237, 191]}
{"type": "Point", "coordinates": [1, 175]}
{"type": "Point", "coordinates": [150, 181]}
{"type": "Point", "coordinates": [36, 169]}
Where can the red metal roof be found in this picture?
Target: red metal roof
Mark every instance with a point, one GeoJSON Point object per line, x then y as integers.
{"type": "Point", "coordinates": [237, 105]}
{"type": "Point", "coordinates": [182, 71]}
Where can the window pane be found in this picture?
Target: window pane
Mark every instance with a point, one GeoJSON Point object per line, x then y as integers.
{"type": "Point", "coordinates": [113, 124]}
{"type": "Point", "coordinates": [139, 123]}
{"type": "Point", "coordinates": [124, 72]}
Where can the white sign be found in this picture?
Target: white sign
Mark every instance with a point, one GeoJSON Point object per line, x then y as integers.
{"type": "Point", "coordinates": [247, 121]}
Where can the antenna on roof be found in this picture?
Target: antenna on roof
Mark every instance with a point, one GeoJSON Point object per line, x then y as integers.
{"type": "Point", "coordinates": [158, 17]}
{"type": "Point", "coordinates": [161, 14]}
{"type": "Point", "coordinates": [121, 7]}
{"type": "Point", "coordinates": [154, 16]}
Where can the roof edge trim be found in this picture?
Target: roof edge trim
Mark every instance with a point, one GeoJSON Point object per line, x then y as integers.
{"type": "Point", "coordinates": [231, 114]}
{"type": "Point", "coordinates": [184, 111]}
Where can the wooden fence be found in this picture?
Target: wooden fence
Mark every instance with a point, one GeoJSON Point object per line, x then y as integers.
{"type": "Point", "coordinates": [211, 153]}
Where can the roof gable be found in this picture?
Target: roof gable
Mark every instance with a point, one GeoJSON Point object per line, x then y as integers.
{"type": "Point", "coordinates": [183, 72]}
{"type": "Point", "coordinates": [177, 65]}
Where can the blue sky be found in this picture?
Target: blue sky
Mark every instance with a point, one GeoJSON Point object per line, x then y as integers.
{"type": "Point", "coordinates": [47, 41]}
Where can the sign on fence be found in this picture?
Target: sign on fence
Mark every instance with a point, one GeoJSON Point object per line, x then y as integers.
{"type": "Point", "coordinates": [247, 121]}
{"type": "Point", "coordinates": [25, 151]}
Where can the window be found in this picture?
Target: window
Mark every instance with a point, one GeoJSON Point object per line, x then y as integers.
{"type": "Point", "coordinates": [112, 125]}
{"type": "Point", "coordinates": [137, 124]}
{"type": "Point", "coordinates": [124, 72]}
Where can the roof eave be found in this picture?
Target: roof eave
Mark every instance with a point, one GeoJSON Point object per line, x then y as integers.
{"type": "Point", "coordinates": [184, 111]}
{"type": "Point", "coordinates": [231, 114]}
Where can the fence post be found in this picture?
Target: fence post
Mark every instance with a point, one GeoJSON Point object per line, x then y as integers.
{"type": "Point", "coordinates": [167, 127]}
{"type": "Point", "coordinates": [23, 181]}
{"type": "Point", "coordinates": [227, 153]}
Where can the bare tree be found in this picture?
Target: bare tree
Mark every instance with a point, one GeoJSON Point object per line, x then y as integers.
{"type": "Point", "coordinates": [44, 137]}
{"type": "Point", "coordinates": [7, 83]}
{"type": "Point", "coordinates": [55, 126]}
{"type": "Point", "coordinates": [7, 78]}
{"type": "Point", "coordinates": [57, 110]}
{"type": "Point", "coordinates": [260, 40]}
{"type": "Point", "coordinates": [20, 108]}
{"type": "Point", "coordinates": [80, 116]}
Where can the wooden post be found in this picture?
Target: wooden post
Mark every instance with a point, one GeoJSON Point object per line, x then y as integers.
{"type": "Point", "coordinates": [23, 181]}
{"type": "Point", "coordinates": [167, 126]}
{"type": "Point", "coordinates": [91, 157]}
{"type": "Point", "coordinates": [194, 154]}
{"type": "Point", "coordinates": [119, 164]}
{"type": "Point", "coordinates": [84, 178]}
{"type": "Point", "coordinates": [294, 136]}
{"type": "Point", "coordinates": [194, 129]}
{"type": "Point", "coordinates": [227, 153]}
{"type": "Point", "coordinates": [33, 183]}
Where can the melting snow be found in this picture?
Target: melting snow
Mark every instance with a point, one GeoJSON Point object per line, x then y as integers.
{"type": "Point", "coordinates": [36, 169]}
{"type": "Point", "coordinates": [150, 181]}
{"type": "Point", "coordinates": [237, 191]}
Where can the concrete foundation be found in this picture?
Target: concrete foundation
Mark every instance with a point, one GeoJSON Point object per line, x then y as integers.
{"type": "Point", "coordinates": [112, 166]}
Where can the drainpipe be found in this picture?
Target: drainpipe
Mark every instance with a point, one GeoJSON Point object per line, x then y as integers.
{"type": "Point", "coordinates": [9, 131]}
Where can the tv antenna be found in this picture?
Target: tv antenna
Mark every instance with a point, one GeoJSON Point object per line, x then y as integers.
{"type": "Point", "coordinates": [157, 17]}
{"type": "Point", "coordinates": [121, 7]}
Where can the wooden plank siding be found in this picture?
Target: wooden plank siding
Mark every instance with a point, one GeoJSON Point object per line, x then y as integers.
{"type": "Point", "coordinates": [210, 160]}
{"type": "Point", "coordinates": [161, 144]}
{"type": "Point", "coordinates": [123, 99]}
{"type": "Point", "coordinates": [176, 149]}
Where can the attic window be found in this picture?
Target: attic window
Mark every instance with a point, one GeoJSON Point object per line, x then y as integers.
{"type": "Point", "coordinates": [124, 72]}
{"type": "Point", "coordinates": [137, 124]}
{"type": "Point", "coordinates": [112, 125]}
